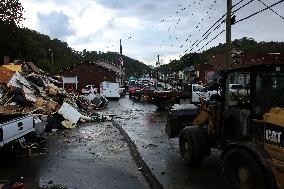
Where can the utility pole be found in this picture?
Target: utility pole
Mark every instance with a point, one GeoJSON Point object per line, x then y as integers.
{"type": "Point", "coordinates": [120, 48]}
{"type": "Point", "coordinates": [51, 61]}
{"type": "Point", "coordinates": [158, 64]}
{"type": "Point", "coordinates": [228, 60]}
{"type": "Point", "coordinates": [120, 62]}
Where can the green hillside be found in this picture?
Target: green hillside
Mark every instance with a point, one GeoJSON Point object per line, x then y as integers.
{"type": "Point", "coordinates": [28, 45]}
{"type": "Point", "coordinates": [248, 45]}
{"type": "Point", "coordinates": [132, 67]}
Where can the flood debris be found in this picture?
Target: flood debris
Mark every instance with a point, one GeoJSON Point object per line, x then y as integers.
{"type": "Point", "coordinates": [32, 92]}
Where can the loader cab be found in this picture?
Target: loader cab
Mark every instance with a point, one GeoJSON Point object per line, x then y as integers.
{"type": "Point", "coordinates": [259, 88]}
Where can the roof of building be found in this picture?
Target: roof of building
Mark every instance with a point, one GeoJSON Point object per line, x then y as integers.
{"type": "Point", "coordinates": [102, 64]}
{"type": "Point", "coordinates": [109, 66]}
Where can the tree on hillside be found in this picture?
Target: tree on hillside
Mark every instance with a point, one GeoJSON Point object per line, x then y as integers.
{"type": "Point", "coordinates": [11, 11]}
{"type": "Point", "coordinates": [11, 15]}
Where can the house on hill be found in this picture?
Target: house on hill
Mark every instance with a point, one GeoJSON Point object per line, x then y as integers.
{"type": "Point", "coordinates": [91, 73]}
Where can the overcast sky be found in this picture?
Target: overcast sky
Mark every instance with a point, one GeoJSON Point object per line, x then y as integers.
{"type": "Point", "coordinates": [148, 27]}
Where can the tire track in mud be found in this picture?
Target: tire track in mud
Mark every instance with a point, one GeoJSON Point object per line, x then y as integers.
{"type": "Point", "coordinates": [142, 166]}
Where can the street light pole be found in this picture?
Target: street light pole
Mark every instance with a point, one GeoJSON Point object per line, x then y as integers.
{"type": "Point", "coordinates": [51, 59]}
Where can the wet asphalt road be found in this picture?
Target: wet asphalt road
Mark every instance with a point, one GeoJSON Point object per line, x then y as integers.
{"type": "Point", "coordinates": [90, 157]}
{"type": "Point", "coordinates": [97, 155]}
{"type": "Point", "coordinates": [146, 126]}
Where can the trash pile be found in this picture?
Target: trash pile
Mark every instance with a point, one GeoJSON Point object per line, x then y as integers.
{"type": "Point", "coordinates": [32, 92]}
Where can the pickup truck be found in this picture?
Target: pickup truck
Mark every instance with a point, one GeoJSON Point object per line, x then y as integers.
{"type": "Point", "coordinates": [16, 128]}
{"type": "Point", "coordinates": [164, 100]}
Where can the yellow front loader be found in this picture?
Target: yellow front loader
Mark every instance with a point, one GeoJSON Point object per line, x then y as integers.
{"type": "Point", "coordinates": [247, 125]}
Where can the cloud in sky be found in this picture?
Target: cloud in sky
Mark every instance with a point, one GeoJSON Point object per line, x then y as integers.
{"type": "Point", "coordinates": [146, 27]}
{"type": "Point", "coordinates": [55, 24]}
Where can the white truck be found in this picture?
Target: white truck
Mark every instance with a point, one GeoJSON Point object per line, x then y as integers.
{"type": "Point", "coordinates": [16, 128]}
{"type": "Point", "coordinates": [200, 91]}
{"type": "Point", "coordinates": [197, 92]}
{"type": "Point", "coordinates": [110, 90]}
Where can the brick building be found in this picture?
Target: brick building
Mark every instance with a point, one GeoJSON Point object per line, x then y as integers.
{"type": "Point", "coordinates": [93, 73]}
{"type": "Point", "coordinates": [203, 72]}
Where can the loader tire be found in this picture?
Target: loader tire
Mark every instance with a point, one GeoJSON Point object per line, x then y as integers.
{"type": "Point", "coordinates": [194, 145]}
{"type": "Point", "coordinates": [167, 105]}
{"type": "Point", "coordinates": [242, 170]}
{"type": "Point", "coordinates": [164, 105]}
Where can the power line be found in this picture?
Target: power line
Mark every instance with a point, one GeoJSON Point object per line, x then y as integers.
{"type": "Point", "coordinates": [198, 26]}
{"type": "Point", "coordinates": [272, 10]}
{"type": "Point", "coordinates": [259, 12]}
{"type": "Point", "coordinates": [267, 7]}
{"type": "Point", "coordinates": [223, 16]}
{"type": "Point", "coordinates": [208, 32]}
{"type": "Point", "coordinates": [237, 3]}
{"type": "Point", "coordinates": [211, 40]}
{"type": "Point", "coordinates": [214, 24]}
{"type": "Point", "coordinates": [219, 25]}
{"type": "Point", "coordinates": [244, 5]}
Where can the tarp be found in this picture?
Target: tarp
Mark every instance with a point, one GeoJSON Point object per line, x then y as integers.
{"type": "Point", "coordinates": [16, 68]}
{"type": "Point", "coordinates": [5, 75]}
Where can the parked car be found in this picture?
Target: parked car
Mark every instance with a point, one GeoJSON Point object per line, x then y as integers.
{"type": "Point", "coordinates": [135, 90]}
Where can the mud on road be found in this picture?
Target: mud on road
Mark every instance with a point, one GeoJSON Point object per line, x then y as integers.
{"type": "Point", "coordinates": [92, 156]}
{"type": "Point", "coordinates": [133, 152]}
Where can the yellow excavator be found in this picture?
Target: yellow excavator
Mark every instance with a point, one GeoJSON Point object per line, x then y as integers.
{"type": "Point", "coordinates": [247, 125]}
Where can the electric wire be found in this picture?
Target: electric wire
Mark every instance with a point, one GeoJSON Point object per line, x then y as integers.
{"type": "Point", "coordinates": [212, 40]}
{"type": "Point", "coordinates": [259, 11]}
{"type": "Point", "coordinates": [267, 7]}
{"type": "Point", "coordinates": [223, 16]}
{"type": "Point", "coordinates": [219, 25]}
{"type": "Point", "coordinates": [271, 9]}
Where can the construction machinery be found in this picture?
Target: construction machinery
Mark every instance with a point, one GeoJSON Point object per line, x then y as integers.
{"type": "Point", "coordinates": [247, 126]}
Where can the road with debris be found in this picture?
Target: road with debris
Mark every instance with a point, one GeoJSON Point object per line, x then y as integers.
{"type": "Point", "coordinates": [145, 126]}
{"type": "Point", "coordinates": [99, 155]}
{"type": "Point", "coordinates": [92, 156]}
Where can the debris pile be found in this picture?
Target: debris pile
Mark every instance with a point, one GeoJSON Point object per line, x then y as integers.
{"type": "Point", "coordinates": [31, 91]}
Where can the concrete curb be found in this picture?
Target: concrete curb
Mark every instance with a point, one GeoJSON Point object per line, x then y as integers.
{"type": "Point", "coordinates": [142, 166]}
